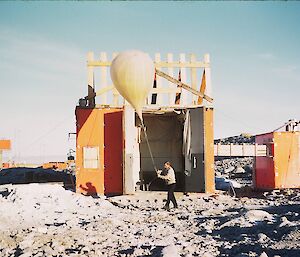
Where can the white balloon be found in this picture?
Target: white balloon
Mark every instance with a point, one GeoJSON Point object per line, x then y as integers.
{"type": "Point", "coordinates": [132, 73]}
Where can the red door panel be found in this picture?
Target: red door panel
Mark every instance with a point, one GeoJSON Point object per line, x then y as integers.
{"type": "Point", "coordinates": [113, 153]}
{"type": "Point", "coordinates": [264, 173]}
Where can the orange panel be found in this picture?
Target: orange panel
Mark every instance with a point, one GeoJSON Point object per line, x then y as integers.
{"type": "Point", "coordinates": [5, 145]}
{"type": "Point", "coordinates": [281, 168]}
{"type": "Point", "coordinates": [89, 127]}
{"type": "Point", "coordinates": [287, 161]}
{"type": "Point", "coordinates": [90, 135]}
{"type": "Point", "coordinates": [209, 151]}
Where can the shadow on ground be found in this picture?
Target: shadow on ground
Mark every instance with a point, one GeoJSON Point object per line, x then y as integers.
{"type": "Point", "coordinates": [153, 251]}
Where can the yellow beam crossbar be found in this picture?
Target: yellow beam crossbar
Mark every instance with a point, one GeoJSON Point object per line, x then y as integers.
{"type": "Point", "coordinates": [101, 91]}
{"type": "Point", "coordinates": [104, 90]}
{"type": "Point", "coordinates": [157, 64]}
{"type": "Point", "coordinates": [185, 86]}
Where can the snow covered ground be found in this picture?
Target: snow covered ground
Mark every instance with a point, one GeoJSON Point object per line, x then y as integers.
{"type": "Point", "coordinates": [47, 220]}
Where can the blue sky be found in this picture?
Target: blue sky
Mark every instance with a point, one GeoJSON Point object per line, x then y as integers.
{"type": "Point", "coordinates": [254, 49]}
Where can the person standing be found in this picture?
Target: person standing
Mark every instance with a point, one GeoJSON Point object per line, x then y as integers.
{"type": "Point", "coordinates": [171, 183]}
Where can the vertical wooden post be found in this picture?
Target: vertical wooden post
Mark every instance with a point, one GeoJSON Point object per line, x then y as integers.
{"type": "Point", "coordinates": [158, 81]}
{"type": "Point", "coordinates": [208, 90]}
{"type": "Point", "coordinates": [131, 164]}
{"type": "Point", "coordinates": [171, 96]}
{"type": "Point", "coordinates": [103, 58]}
{"type": "Point", "coordinates": [184, 94]}
{"type": "Point", "coordinates": [209, 150]}
{"type": "Point", "coordinates": [115, 91]}
{"type": "Point", "coordinates": [91, 88]}
{"type": "Point", "coordinates": [194, 79]}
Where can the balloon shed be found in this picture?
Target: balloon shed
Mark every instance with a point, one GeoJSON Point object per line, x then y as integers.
{"type": "Point", "coordinates": [138, 114]}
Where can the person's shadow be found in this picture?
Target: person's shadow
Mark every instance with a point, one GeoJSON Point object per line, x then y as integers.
{"type": "Point", "coordinates": [89, 189]}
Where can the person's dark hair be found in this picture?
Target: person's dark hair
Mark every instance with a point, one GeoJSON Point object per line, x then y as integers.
{"type": "Point", "coordinates": [168, 163]}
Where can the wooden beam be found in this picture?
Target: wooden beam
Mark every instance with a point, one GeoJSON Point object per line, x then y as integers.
{"type": "Point", "coordinates": [159, 98]}
{"type": "Point", "coordinates": [202, 88]}
{"type": "Point", "coordinates": [208, 89]}
{"type": "Point", "coordinates": [181, 65]}
{"type": "Point", "coordinates": [194, 78]}
{"type": "Point", "coordinates": [158, 64]}
{"type": "Point", "coordinates": [171, 74]}
{"type": "Point", "coordinates": [185, 86]}
{"type": "Point", "coordinates": [103, 58]}
{"type": "Point", "coordinates": [165, 90]}
{"type": "Point", "coordinates": [183, 71]}
{"type": "Point", "coordinates": [115, 91]}
{"type": "Point", "coordinates": [91, 86]}
{"type": "Point", "coordinates": [100, 92]}
{"type": "Point", "coordinates": [98, 63]}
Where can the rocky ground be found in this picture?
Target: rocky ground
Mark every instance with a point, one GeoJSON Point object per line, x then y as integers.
{"type": "Point", "coordinates": [238, 169]}
{"type": "Point", "coordinates": [44, 219]}
{"type": "Point", "coordinates": [47, 220]}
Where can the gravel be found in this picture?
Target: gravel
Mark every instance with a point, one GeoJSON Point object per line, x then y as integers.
{"type": "Point", "coordinates": [47, 220]}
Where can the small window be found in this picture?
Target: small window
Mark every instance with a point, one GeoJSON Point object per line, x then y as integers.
{"type": "Point", "coordinates": [90, 157]}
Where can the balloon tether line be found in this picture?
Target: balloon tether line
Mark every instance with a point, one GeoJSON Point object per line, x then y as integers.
{"type": "Point", "coordinates": [149, 148]}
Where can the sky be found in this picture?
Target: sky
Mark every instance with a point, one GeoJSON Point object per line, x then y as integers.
{"type": "Point", "coordinates": [254, 49]}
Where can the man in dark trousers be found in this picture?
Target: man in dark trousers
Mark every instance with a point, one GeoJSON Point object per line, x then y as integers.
{"type": "Point", "coordinates": [171, 183]}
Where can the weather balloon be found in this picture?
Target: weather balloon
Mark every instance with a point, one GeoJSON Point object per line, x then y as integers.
{"type": "Point", "coordinates": [132, 73]}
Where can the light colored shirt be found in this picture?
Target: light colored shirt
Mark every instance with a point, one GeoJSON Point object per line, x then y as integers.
{"type": "Point", "coordinates": [170, 177]}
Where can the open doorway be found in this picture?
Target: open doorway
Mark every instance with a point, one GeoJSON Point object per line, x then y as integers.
{"type": "Point", "coordinates": [165, 134]}
{"type": "Point", "coordinates": [183, 137]}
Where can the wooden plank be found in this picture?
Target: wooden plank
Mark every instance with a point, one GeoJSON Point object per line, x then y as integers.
{"type": "Point", "coordinates": [180, 65]}
{"type": "Point", "coordinates": [209, 150]}
{"type": "Point", "coordinates": [183, 85]}
{"type": "Point", "coordinates": [152, 98]}
{"type": "Point", "coordinates": [186, 98]}
{"type": "Point", "coordinates": [103, 58]}
{"type": "Point", "coordinates": [116, 95]}
{"type": "Point", "coordinates": [171, 95]}
{"type": "Point", "coordinates": [131, 168]}
{"type": "Point", "coordinates": [208, 90]}
{"type": "Point", "coordinates": [98, 63]}
{"type": "Point", "coordinates": [158, 64]}
{"type": "Point", "coordinates": [183, 97]}
{"type": "Point", "coordinates": [178, 95]}
{"type": "Point", "coordinates": [104, 90]}
{"type": "Point", "coordinates": [194, 78]}
{"type": "Point", "coordinates": [90, 80]}
{"type": "Point", "coordinates": [158, 81]}
{"type": "Point", "coordinates": [100, 92]}
{"type": "Point", "coordinates": [165, 90]}
{"type": "Point", "coordinates": [202, 88]}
